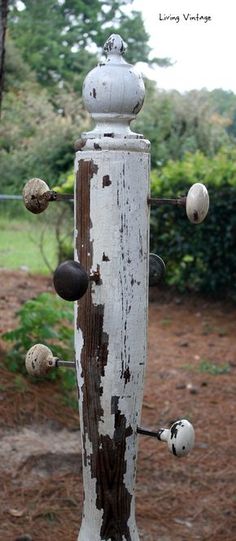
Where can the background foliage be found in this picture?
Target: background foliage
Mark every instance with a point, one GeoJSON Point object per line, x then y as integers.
{"type": "Point", "coordinates": [199, 257]}
{"type": "Point", "coordinates": [51, 45]}
{"type": "Point", "coordinates": [44, 320]}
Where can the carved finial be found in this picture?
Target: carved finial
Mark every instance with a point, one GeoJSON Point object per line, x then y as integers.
{"type": "Point", "coordinates": [113, 93]}
{"type": "Point", "coordinates": [115, 45]}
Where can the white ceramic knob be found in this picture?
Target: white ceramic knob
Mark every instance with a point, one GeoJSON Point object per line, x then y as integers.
{"type": "Point", "coordinates": [32, 195]}
{"type": "Point", "coordinates": [197, 203]}
{"type": "Point", "coordinates": [179, 437]}
{"type": "Point", "coordinates": [39, 360]}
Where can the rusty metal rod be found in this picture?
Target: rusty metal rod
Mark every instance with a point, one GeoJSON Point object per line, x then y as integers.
{"type": "Point", "coordinates": [55, 196]}
{"type": "Point", "coordinates": [146, 432]}
{"type": "Point", "coordinates": [159, 201]}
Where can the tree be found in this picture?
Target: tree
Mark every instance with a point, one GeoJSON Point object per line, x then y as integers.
{"type": "Point", "coordinates": [36, 138]}
{"type": "Point", "coordinates": [225, 104]}
{"type": "Point", "coordinates": [178, 123]}
{"type": "Point", "coordinates": [3, 26]}
{"type": "Point", "coordinates": [59, 39]}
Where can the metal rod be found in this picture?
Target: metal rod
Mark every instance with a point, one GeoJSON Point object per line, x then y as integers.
{"type": "Point", "coordinates": [4, 197]}
{"type": "Point", "coordinates": [55, 196]}
{"type": "Point", "coordinates": [49, 196]}
{"type": "Point", "coordinates": [68, 364]}
{"type": "Point", "coordinates": [158, 201]}
{"type": "Point", "coordinates": [146, 432]}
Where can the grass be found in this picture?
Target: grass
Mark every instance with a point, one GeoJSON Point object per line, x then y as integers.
{"type": "Point", "coordinates": [208, 367]}
{"type": "Point", "coordinates": [166, 322]}
{"type": "Point", "coordinates": [19, 243]}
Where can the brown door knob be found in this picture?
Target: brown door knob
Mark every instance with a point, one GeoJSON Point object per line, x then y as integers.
{"type": "Point", "coordinates": [70, 280]}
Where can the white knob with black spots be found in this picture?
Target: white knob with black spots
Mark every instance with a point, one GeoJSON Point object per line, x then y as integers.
{"type": "Point", "coordinates": [179, 437]}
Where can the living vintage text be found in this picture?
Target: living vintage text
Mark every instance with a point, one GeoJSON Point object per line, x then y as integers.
{"type": "Point", "coordinates": [185, 17]}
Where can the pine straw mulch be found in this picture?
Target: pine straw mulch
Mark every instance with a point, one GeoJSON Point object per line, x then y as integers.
{"type": "Point", "coordinates": [191, 342]}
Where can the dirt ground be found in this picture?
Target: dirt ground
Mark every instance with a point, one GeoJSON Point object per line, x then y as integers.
{"type": "Point", "coordinates": [190, 374]}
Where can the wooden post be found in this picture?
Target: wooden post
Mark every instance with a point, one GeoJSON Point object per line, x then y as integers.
{"type": "Point", "coordinates": [111, 239]}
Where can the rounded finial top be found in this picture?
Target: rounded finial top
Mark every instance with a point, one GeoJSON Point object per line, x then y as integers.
{"type": "Point", "coordinates": [113, 93]}
{"type": "Point", "coordinates": [115, 45]}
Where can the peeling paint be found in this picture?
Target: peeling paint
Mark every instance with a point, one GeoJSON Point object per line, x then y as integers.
{"type": "Point", "coordinates": [105, 257]}
{"type": "Point", "coordinates": [106, 181]}
{"type": "Point", "coordinates": [127, 375]}
{"type": "Point", "coordinates": [112, 358]}
{"type": "Point", "coordinates": [111, 344]}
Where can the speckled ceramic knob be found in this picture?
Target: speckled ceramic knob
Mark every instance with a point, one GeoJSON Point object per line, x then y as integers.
{"type": "Point", "coordinates": [197, 203]}
{"type": "Point", "coordinates": [180, 437]}
{"type": "Point", "coordinates": [32, 195]}
{"type": "Point", "coordinates": [39, 360]}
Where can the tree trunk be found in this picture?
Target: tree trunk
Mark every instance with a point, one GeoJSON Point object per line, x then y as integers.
{"type": "Point", "coordinates": [3, 26]}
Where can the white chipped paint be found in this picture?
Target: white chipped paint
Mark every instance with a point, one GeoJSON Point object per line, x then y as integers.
{"type": "Point", "coordinates": [113, 93]}
{"type": "Point", "coordinates": [79, 342]}
{"type": "Point", "coordinates": [132, 524]}
{"type": "Point", "coordinates": [76, 235]}
{"type": "Point", "coordinates": [117, 274]}
{"type": "Point", "coordinates": [131, 451]}
{"type": "Point", "coordinates": [122, 203]}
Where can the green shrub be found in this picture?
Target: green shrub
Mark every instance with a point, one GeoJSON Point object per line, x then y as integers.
{"type": "Point", "coordinates": [46, 320]}
{"type": "Point", "coordinates": [198, 257]}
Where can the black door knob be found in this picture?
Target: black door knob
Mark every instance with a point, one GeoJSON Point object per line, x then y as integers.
{"type": "Point", "coordinates": [157, 269]}
{"type": "Point", "coordinates": [70, 280]}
